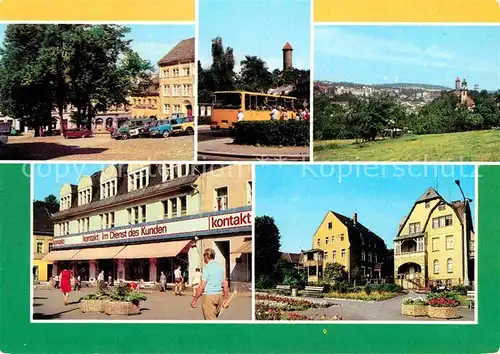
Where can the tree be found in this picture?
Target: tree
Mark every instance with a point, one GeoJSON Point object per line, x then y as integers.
{"type": "Point", "coordinates": [267, 246]}
{"type": "Point", "coordinates": [334, 272]}
{"type": "Point", "coordinates": [50, 202]}
{"type": "Point", "coordinates": [254, 75]}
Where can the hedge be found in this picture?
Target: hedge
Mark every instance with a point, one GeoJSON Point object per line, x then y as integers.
{"type": "Point", "coordinates": [272, 133]}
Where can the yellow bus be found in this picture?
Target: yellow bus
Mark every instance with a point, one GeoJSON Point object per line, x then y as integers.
{"type": "Point", "coordinates": [255, 106]}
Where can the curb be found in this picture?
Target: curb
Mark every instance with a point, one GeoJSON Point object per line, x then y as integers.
{"type": "Point", "coordinates": [256, 156]}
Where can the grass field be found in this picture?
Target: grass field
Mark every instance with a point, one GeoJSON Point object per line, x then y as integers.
{"type": "Point", "coordinates": [467, 146]}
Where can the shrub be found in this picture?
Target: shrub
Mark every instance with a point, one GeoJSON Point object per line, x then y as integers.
{"type": "Point", "coordinates": [391, 288]}
{"type": "Point", "coordinates": [460, 289]}
{"type": "Point", "coordinates": [415, 301]}
{"type": "Point", "coordinates": [264, 282]}
{"type": "Point", "coordinates": [368, 289]}
{"type": "Point", "coordinates": [204, 120]}
{"type": "Point", "coordinates": [272, 133]}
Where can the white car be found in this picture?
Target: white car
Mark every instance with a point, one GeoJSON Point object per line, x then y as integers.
{"type": "Point", "coordinates": [4, 132]}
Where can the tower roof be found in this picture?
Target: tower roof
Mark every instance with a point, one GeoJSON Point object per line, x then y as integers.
{"type": "Point", "coordinates": [458, 79]}
{"type": "Point", "coordinates": [287, 46]}
{"type": "Point", "coordinates": [429, 194]}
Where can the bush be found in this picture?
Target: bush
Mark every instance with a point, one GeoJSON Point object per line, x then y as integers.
{"type": "Point", "coordinates": [461, 289]}
{"type": "Point", "coordinates": [272, 133]}
{"type": "Point", "coordinates": [368, 289]}
{"type": "Point", "coordinates": [264, 282]}
{"type": "Point", "coordinates": [204, 120]}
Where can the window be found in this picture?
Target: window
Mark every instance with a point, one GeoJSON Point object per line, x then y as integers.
{"type": "Point", "coordinates": [185, 90]}
{"type": "Point", "coordinates": [177, 108]}
{"type": "Point", "coordinates": [176, 90]}
{"type": "Point", "coordinates": [183, 205]}
{"type": "Point", "coordinates": [369, 257]}
{"type": "Point", "coordinates": [330, 226]}
{"type": "Point", "coordinates": [326, 256]}
{"type": "Point", "coordinates": [136, 214]}
{"type": "Point", "coordinates": [143, 213]}
{"type": "Point", "coordinates": [166, 108]}
{"type": "Point", "coordinates": [50, 247]}
{"type": "Point", "coordinates": [84, 196]}
{"type": "Point", "coordinates": [186, 71]}
{"type": "Point", "coordinates": [436, 266]}
{"type": "Point", "coordinates": [334, 254]}
{"type": "Point", "coordinates": [435, 244]}
{"type": "Point", "coordinates": [449, 265]}
{"type": "Point", "coordinates": [108, 189]}
{"type": "Point", "coordinates": [326, 240]}
{"type": "Point", "coordinates": [375, 258]}
{"type": "Point", "coordinates": [362, 241]}
{"type": "Point", "coordinates": [448, 283]}
{"type": "Point", "coordinates": [341, 237]}
{"type": "Point", "coordinates": [333, 238]}
{"type": "Point", "coordinates": [449, 242]}
{"type": "Point", "coordinates": [317, 242]}
{"type": "Point", "coordinates": [138, 179]}
{"type": "Point", "coordinates": [363, 255]}
{"type": "Point", "coordinates": [427, 205]}
{"type": "Point", "coordinates": [175, 72]}
{"type": "Point", "coordinates": [166, 90]}
{"type": "Point", "coordinates": [442, 221]}
{"type": "Point", "coordinates": [173, 207]}
{"type": "Point", "coordinates": [442, 207]}
{"type": "Point", "coordinates": [39, 247]}
{"type": "Point", "coordinates": [414, 228]}
{"type": "Point", "coordinates": [165, 209]}
{"type": "Point", "coordinates": [249, 192]}
{"type": "Point", "coordinates": [342, 253]}
{"type": "Point", "coordinates": [166, 73]}
{"type": "Point", "coordinates": [221, 202]}
{"type": "Point", "coordinates": [129, 211]}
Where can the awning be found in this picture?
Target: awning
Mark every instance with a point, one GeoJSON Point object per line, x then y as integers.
{"type": "Point", "coordinates": [97, 253]}
{"type": "Point", "coordinates": [64, 255]}
{"type": "Point", "coordinates": [152, 250]}
{"type": "Point", "coordinates": [246, 247]}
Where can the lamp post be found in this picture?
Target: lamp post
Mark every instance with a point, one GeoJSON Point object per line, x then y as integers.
{"type": "Point", "coordinates": [465, 248]}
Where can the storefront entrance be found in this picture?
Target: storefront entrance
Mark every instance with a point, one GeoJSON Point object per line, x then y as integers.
{"type": "Point", "coordinates": [222, 257]}
{"type": "Point", "coordinates": [167, 265]}
{"type": "Point", "coordinates": [108, 266]}
{"type": "Point", "coordinates": [82, 269]}
{"type": "Point", "coordinates": [137, 269]}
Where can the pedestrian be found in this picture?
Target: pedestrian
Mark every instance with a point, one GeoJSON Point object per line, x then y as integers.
{"type": "Point", "coordinates": [75, 287]}
{"type": "Point", "coordinates": [274, 113]}
{"type": "Point", "coordinates": [293, 114]}
{"type": "Point", "coordinates": [240, 115]}
{"type": "Point", "coordinates": [213, 287]}
{"type": "Point", "coordinates": [178, 281]}
{"type": "Point", "coordinates": [110, 279]}
{"type": "Point", "coordinates": [100, 281]}
{"type": "Point", "coordinates": [284, 114]}
{"type": "Point", "coordinates": [306, 114]}
{"type": "Point", "coordinates": [79, 282]}
{"type": "Point", "coordinates": [196, 280]}
{"type": "Point", "coordinates": [163, 282]}
{"type": "Point", "coordinates": [66, 277]}
{"type": "Point", "coordinates": [56, 281]}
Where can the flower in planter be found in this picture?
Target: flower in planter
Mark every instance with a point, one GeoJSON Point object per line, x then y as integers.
{"type": "Point", "coordinates": [415, 301]}
{"type": "Point", "coordinates": [443, 302]}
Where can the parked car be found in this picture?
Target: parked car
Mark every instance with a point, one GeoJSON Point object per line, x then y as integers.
{"type": "Point", "coordinates": [163, 128]}
{"type": "Point", "coordinates": [130, 129]}
{"type": "Point", "coordinates": [4, 132]}
{"type": "Point", "coordinates": [183, 126]}
{"type": "Point", "coordinates": [145, 130]}
{"type": "Point", "coordinates": [77, 133]}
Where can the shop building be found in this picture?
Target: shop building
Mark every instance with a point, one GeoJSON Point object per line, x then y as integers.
{"type": "Point", "coordinates": [134, 221]}
{"type": "Point", "coordinates": [435, 244]}
{"type": "Point", "coordinates": [146, 101]}
{"type": "Point", "coordinates": [43, 234]}
{"type": "Point", "coordinates": [346, 241]}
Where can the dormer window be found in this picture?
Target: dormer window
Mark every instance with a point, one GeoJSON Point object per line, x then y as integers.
{"type": "Point", "coordinates": [85, 196]}
{"type": "Point", "coordinates": [138, 179]}
{"type": "Point", "coordinates": [109, 188]}
{"type": "Point", "coordinates": [65, 202]}
{"type": "Point", "coordinates": [173, 171]}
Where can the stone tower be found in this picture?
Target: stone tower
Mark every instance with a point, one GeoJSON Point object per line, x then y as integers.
{"type": "Point", "coordinates": [457, 84]}
{"type": "Point", "coordinates": [463, 92]}
{"type": "Point", "coordinates": [287, 56]}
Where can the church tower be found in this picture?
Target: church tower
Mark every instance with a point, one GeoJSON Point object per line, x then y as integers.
{"type": "Point", "coordinates": [287, 56]}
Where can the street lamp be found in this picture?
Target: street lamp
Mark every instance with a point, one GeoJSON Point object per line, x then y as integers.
{"type": "Point", "coordinates": [465, 248]}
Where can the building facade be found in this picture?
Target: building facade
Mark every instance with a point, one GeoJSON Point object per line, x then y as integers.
{"type": "Point", "coordinates": [435, 244]}
{"type": "Point", "coordinates": [177, 69]}
{"type": "Point", "coordinates": [346, 241]}
{"type": "Point", "coordinates": [134, 221]}
{"type": "Point", "coordinates": [43, 234]}
{"type": "Point", "coordinates": [146, 103]}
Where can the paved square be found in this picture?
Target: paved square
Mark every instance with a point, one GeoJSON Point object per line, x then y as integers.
{"type": "Point", "coordinates": [49, 305]}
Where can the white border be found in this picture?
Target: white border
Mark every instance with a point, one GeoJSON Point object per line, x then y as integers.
{"type": "Point", "coordinates": [311, 84]}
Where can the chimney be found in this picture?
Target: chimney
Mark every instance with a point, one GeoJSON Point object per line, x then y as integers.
{"type": "Point", "coordinates": [355, 218]}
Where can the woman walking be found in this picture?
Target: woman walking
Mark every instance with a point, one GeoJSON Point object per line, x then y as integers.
{"type": "Point", "coordinates": [66, 276]}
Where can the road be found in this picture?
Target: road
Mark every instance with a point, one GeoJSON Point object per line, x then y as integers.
{"type": "Point", "coordinates": [99, 147]}
{"type": "Point", "coordinates": [49, 305]}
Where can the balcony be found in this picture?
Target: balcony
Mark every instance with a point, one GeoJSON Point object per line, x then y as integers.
{"type": "Point", "coordinates": [412, 235]}
{"type": "Point", "coordinates": [312, 263]}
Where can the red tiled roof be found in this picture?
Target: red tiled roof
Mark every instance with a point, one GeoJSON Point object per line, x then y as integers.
{"type": "Point", "coordinates": [287, 46]}
{"type": "Point", "coordinates": [182, 52]}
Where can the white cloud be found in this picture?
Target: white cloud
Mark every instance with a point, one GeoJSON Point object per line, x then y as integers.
{"type": "Point", "coordinates": [337, 42]}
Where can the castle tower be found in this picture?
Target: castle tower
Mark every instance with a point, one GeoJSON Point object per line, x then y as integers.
{"type": "Point", "coordinates": [287, 56]}
{"type": "Point", "coordinates": [463, 92]}
{"type": "Point", "coordinates": [457, 84]}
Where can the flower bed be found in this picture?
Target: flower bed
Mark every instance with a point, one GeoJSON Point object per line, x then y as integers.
{"type": "Point", "coordinates": [287, 303]}
{"type": "Point", "coordinates": [265, 313]}
{"type": "Point", "coordinates": [414, 307]}
{"type": "Point", "coordinates": [361, 295]}
{"type": "Point", "coordinates": [121, 301]}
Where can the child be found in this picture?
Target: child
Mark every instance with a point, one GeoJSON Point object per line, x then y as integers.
{"type": "Point", "coordinates": [195, 282]}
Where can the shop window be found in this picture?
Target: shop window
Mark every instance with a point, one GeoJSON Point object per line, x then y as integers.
{"type": "Point", "coordinates": [39, 247]}
{"type": "Point", "coordinates": [249, 192]}
{"type": "Point", "coordinates": [221, 198]}
{"type": "Point", "coordinates": [449, 242]}
{"type": "Point", "coordinates": [183, 205]}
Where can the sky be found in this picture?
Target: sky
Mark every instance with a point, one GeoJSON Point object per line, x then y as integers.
{"type": "Point", "coordinates": [257, 28]}
{"type": "Point", "coordinates": [152, 42]}
{"type": "Point", "coordinates": [299, 196]}
{"type": "Point", "coordinates": [49, 178]}
{"type": "Point", "coordinates": [412, 54]}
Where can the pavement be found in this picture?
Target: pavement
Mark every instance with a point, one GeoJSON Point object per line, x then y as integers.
{"type": "Point", "coordinates": [387, 310]}
{"type": "Point", "coordinates": [49, 305]}
{"type": "Point", "coordinates": [218, 145]}
{"type": "Point", "coordinates": [100, 147]}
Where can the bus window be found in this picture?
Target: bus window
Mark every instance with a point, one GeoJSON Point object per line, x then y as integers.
{"type": "Point", "coordinates": [227, 100]}
{"type": "Point", "coordinates": [248, 102]}
{"type": "Point", "coordinates": [261, 103]}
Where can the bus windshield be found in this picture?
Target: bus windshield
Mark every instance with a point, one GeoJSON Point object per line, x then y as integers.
{"type": "Point", "coordinates": [227, 100]}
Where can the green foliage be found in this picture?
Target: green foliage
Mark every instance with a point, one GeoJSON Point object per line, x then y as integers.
{"type": "Point", "coordinates": [96, 296]}
{"type": "Point", "coordinates": [267, 247]}
{"type": "Point", "coordinates": [334, 272]}
{"type": "Point", "coordinates": [461, 289]}
{"type": "Point", "coordinates": [272, 133]}
{"type": "Point", "coordinates": [368, 289]}
{"type": "Point", "coordinates": [50, 202]}
{"type": "Point", "coordinates": [287, 274]}
{"type": "Point", "coordinates": [265, 282]}
{"type": "Point", "coordinates": [254, 75]}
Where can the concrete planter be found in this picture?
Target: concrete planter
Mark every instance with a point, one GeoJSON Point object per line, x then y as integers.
{"type": "Point", "coordinates": [93, 305]}
{"type": "Point", "coordinates": [294, 292]}
{"type": "Point", "coordinates": [414, 310]}
{"type": "Point", "coordinates": [443, 312]}
{"type": "Point", "coordinates": [121, 308]}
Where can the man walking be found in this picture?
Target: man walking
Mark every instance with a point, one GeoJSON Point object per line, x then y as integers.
{"type": "Point", "coordinates": [178, 281]}
{"type": "Point", "coordinates": [163, 282]}
{"type": "Point", "coordinates": [213, 286]}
